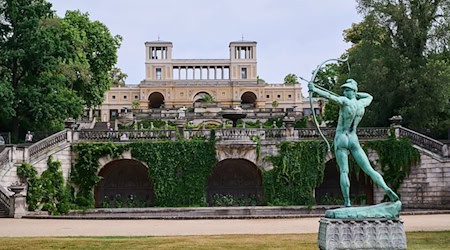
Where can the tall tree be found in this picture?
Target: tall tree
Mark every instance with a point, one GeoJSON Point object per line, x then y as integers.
{"type": "Point", "coordinates": [50, 67]}
{"type": "Point", "coordinates": [291, 79]}
{"type": "Point", "coordinates": [118, 77]}
{"type": "Point", "coordinates": [400, 56]}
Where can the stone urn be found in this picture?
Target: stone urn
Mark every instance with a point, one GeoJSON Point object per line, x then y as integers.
{"type": "Point", "coordinates": [396, 120]}
{"type": "Point", "coordinates": [16, 188]}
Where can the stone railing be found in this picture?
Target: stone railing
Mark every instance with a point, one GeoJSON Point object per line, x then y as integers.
{"type": "Point", "coordinates": [239, 134]}
{"type": "Point", "coordinates": [372, 133]}
{"type": "Point", "coordinates": [5, 200]}
{"type": "Point", "coordinates": [313, 133]}
{"type": "Point", "coordinates": [41, 147]}
{"type": "Point", "coordinates": [4, 157]}
{"type": "Point", "coordinates": [363, 133]}
{"type": "Point", "coordinates": [197, 133]}
{"type": "Point", "coordinates": [132, 135]}
{"type": "Point", "coordinates": [275, 133]}
{"type": "Point", "coordinates": [424, 141]}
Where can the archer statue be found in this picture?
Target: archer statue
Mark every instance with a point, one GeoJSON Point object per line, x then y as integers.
{"type": "Point", "coordinates": [352, 106]}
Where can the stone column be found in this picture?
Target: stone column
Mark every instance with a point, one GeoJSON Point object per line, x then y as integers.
{"type": "Point", "coordinates": [180, 127]}
{"type": "Point", "coordinates": [289, 121]}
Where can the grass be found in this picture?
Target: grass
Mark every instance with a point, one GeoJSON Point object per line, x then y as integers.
{"type": "Point", "coordinates": [416, 240]}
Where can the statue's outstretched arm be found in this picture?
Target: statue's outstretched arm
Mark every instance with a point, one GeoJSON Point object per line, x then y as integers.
{"type": "Point", "coordinates": [325, 93]}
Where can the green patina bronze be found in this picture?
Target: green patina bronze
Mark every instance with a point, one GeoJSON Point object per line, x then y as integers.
{"type": "Point", "coordinates": [388, 210]}
{"type": "Point", "coordinates": [352, 106]}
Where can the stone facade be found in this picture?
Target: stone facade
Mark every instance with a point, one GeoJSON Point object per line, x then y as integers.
{"type": "Point", "coordinates": [174, 83]}
{"type": "Point", "coordinates": [428, 184]}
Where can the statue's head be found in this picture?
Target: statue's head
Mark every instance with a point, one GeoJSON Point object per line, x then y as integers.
{"type": "Point", "coordinates": [350, 88]}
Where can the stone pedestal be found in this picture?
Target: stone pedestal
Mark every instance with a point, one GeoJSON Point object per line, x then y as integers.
{"type": "Point", "coordinates": [19, 206]}
{"type": "Point", "coordinates": [361, 234]}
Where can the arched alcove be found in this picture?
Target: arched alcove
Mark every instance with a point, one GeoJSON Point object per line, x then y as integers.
{"type": "Point", "coordinates": [202, 97]}
{"type": "Point", "coordinates": [237, 179]}
{"type": "Point", "coordinates": [361, 188]}
{"type": "Point", "coordinates": [248, 99]}
{"type": "Point", "coordinates": [155, 100]}
{"type": "Point", "coordinates": [124, 183]}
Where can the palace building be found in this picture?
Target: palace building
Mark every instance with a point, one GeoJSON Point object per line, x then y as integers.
{"type": "Point", "coordinates": [219, 84]}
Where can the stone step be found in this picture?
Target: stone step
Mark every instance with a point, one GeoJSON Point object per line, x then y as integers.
{"type": "Point", "coordinates": [3, 213]}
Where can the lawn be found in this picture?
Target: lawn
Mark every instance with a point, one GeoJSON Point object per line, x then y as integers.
{"type": "Point", "coordinates": [416, 240]}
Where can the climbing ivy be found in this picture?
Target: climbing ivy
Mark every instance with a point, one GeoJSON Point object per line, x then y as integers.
{"type": "Point", "coordinates": [396, 158]}
{"type": "Point", "coordinates": [29, 174]}
{"type": "Point", "coordinates": [298, 170]}
{"type": "Point", "coordinates": [84, 172]}
{"type": "Point", "coordinates": [47, 192]}
{"type": "Point", "coordinates": [179, 170]}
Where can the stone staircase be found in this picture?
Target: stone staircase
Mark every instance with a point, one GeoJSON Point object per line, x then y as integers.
{"type": "Point", "coordinates": [3, 212]}
{"type": "Point", "coordinates": [100, 126]}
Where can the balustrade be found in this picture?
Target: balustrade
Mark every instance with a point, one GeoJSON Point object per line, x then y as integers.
{"type": "Point", "coordinates": [424, 141]}
{"type": "Point", "coordinates": [47, 144]}
{"type": "Point", "coordinates": [239, 134]}
{"type": "Point", "coordinates": [197, 133]}
{"type": "Point", "coordinates": [133, 135]}
{"type": "Point", "coordinates": [4, 157]}
{"type": "Point", "coordinates": [5, 199]}
{"type": "Point", "coordinates": [275, 133]}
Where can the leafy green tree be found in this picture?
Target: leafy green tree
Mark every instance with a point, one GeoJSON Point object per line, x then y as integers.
{"type": "Point", "coordinates": [400, 55]}
{"type": "Point", "coordinates": [291, 79]}
{"type": "Point", "coordinates": [50, 67]}
{"type": "Point", "coordinates": [327, 76]}
{"type": "Point", "coordinates": [118, 77]}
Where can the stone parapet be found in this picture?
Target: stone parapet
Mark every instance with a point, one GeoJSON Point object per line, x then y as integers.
{"type": "Point", "coordinates": [361, 234]}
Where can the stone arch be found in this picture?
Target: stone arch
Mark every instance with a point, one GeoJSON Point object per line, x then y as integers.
{"type": "Point", "coordinates": [212, 123]}
{"type": "Point", "coordinates": [202, 96]}
{"type": "Point", "coordinates": [239, 178]}
{"type": "Point", "coordinates": [248, 99]}
{"type": "Point", "coordinates": [124, 181]}
{"type": "Point", "coordinates": [155, 100]}
{"type": "Point", "coordinates": [330, 188]}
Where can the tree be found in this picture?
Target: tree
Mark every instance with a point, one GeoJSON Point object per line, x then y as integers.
{"type": "Point", "coordinates": [327, 76]}
{"type": "Point", "coordinates": [50, 67]}
{"type": "Point", "coordinates": [118, 77]}
{"type": "Point", "coordinates": [400, 55]}
{"type": "Point", "coordinates": [291, 79]}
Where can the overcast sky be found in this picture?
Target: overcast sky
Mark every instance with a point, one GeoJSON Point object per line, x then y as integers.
{"type": "Point", "coordinates": [293, 36]}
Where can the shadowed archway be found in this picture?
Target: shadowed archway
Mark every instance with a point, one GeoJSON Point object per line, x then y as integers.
{"type": "Point", "coordinates": [237, 180]}
{"type": "Point", "coordinates": [248, 99]}
{"type": "Point", "coordinates": [155, 100]}
{"type": "Point", "coordinates": [329, 192]}
{"type": "Point", "coordinates": [124, 183]}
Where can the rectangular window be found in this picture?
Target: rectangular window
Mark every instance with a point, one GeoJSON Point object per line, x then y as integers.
{"type": "Point", "coordinates": [289, 96]}
{"type": "Point", "coordinates": [267, 96]}
{"type": "Point", "coordinates": [125, 97]}
{"type": "Point", "coordinates": [158, 73]}
{"type": "Point", "coordinates": [243, 73]}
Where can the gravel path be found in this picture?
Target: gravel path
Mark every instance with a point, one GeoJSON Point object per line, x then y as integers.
{"type": "Point", "coordinates": [42, 227]}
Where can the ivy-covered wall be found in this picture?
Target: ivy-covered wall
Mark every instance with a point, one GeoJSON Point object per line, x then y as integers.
{"type": "Point", "coordinates": [298, 170]}
{"type": "Point", "coordinates": [179, 171]}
